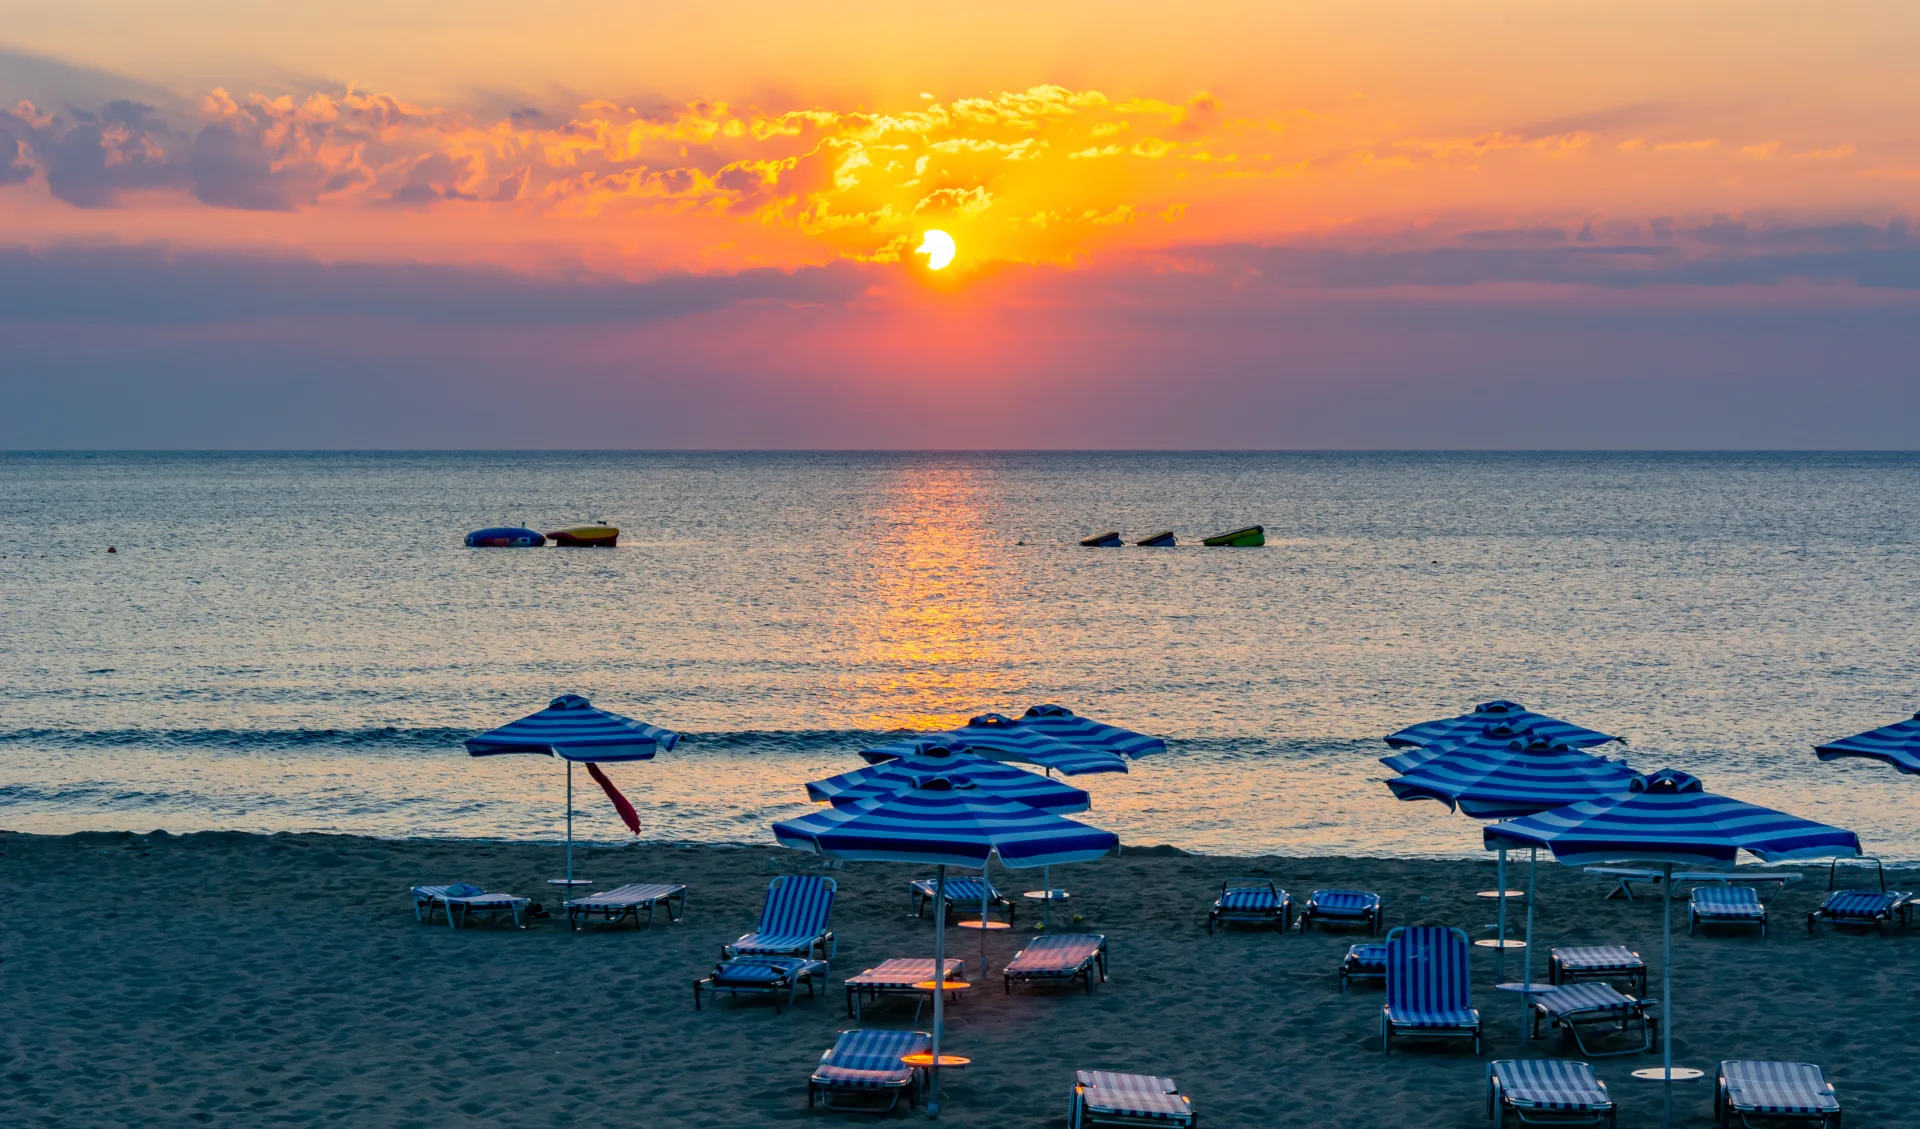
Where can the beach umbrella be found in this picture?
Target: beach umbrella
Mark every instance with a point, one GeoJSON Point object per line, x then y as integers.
{"type": "Point", "coordinates": [573, 729]}
{"type": "Point", "coordinates": [1897, 744]}
{"type": "Point", "coordinates": [1502, 774]}
{"type": "Point", "coordinates": [990, 777]}
{"type": "Point", "coordinates": [942, 825]}
{"type": "Point", "coordinates": [1061, 724]}
{"type": "Point", "coordinates": [1000, 738]}
{"type": "Point", "coordinates": [1669, 818]}
{"type": "Point", "coordinates": [1502, 712]}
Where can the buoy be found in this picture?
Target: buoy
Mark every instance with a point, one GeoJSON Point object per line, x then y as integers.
{"type": "Point", "coordinates": [505, 537]}
{"type": "Point", "coordinates": [111, 549]}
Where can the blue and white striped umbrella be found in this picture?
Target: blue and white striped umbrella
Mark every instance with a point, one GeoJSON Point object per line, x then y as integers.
{"type": "Point", "coordinates": [1061, 724]}
{"type": "Point", "coordinates": [1897, 744]}
{"type": "Point", "coordinates": [991, 777]}
{"type": "Point", "coordinates": [1503, 712]}
{"type": "Point", "coordinates": [939, 824]}
{"type": "Point", "coordinates": [1669, 818]}
{"type": "Point", "coordinates": [1502, 779]}
{"type": "Point", "coordinates": [573, 729]}
{"type": "Point", "coordinates": [997, 736]}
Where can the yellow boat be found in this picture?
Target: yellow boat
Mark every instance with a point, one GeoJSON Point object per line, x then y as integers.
{"type": "Point", "coordinates": [599, 535]}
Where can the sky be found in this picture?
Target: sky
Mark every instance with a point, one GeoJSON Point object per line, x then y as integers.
{"type": "Point", "coordinates": [1393, 224]}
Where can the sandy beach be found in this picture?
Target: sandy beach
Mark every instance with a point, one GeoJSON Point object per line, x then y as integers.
{"type": "Point", "coordinates": [228, 979]}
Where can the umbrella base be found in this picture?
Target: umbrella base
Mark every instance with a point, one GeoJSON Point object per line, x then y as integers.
{"type": "Point", "coordinates": [1659, 1074]}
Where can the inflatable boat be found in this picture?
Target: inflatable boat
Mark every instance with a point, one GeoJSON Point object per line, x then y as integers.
{"type": "Point", "coordinates": [599, 535]}
{"type": "Point", "coordinates": [505, 537]}
{"type": "Point", "coordinates": [1108, 540]}
{"type": "Point", "coordinates": [1240, 538]}
{"type": "Point", "coordinates": [1161, 540]}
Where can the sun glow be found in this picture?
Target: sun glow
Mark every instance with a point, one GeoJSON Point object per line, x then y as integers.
{"type": "Point", "coordinates": [938, 247]}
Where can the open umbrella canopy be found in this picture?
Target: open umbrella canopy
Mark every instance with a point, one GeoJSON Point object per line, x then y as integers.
{"type": "Point", "coordinates": [1502, 712]}
{"type": "Point", "coordinates": [1492, 779]}
{"type": "Point", "coordinates": [990, 777]}
{"type": "Point", "coordinates": [999, 737]}
{"type": "Point", "coordinates": [573, 729]}
{"type": "Point", "coordinates": [1668, 816]}
{"type": "Point", "coordinates": [1061, 724]}
{"type": "Point", "coordinates": [939, 823]}
{"type": "Point", "coordinates": [1897, 744]}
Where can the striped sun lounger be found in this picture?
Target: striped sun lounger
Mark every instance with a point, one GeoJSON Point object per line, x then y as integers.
{"type": "Point", "coordinates": [1774, 1090]}
{"type": "Point", "coordinates": [1059, 958]}
{"type": "Point", "coordinates": [1726, 905]}
{"type": "Point", "coordinates": [1101, 1098]}
{"type": "Point", "coordinates": [897, 977]}
{"type": "Point", "coordinates": [962, 894]}
{"type": "Point", "coordinates": [767, 976]}
{"type": "Point", "coordinates": [1363, 962]}
{"type": "Point", "coordinates": [793, 922]}
{"type": "Point", "coordinates": [1429, 993]}
{"type": "Point", "coordinates": [1250, 901]}
{"type": "Point", "coordinates": [1572, 1007]}
{"type": "Point", "coordinates": [867, 1063]}
{"type": "Point", "coordinates": [1863, 907]}
{"type": "Point", "coordinates": [615, 905]}
{"type": "Point", "coordinates": [1578, 963]}
{"type": "Point", "coordinates": [1547, 1091]}
{"type": "Point", "coordinates": [468, 899]}
{"type": "Point", "coordinates": [1342, 907]}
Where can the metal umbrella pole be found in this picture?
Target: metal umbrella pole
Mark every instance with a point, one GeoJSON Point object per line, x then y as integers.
{"type": "Point", "coordinates": [1666, 998]}
{"type": "Point", "coordinates": [1500, 953]}
{"type": "Point", "coordinates": [1526, 1000]}
{"type": "Point", "coordinates": [939, 984]}
{"type": "Point", "coordinates": [569, 887]}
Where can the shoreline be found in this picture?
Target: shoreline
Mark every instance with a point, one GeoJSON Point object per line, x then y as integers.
{"type": "Point", "coordinates": [228, 978]}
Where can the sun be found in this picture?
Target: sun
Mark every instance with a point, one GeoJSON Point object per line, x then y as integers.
{"type": "Point", "coordinates": [938, 247]}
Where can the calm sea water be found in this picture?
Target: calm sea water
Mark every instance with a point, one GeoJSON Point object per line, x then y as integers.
{"type": "Point", "coordinates": [298, 642]}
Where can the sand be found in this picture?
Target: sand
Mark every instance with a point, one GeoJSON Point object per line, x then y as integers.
{"type": "Point", "coordinates": [238, 980]}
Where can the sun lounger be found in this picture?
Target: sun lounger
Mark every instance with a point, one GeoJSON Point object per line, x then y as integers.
{"type": "Point", "coordinates": [1547, 1091]}
{"type": "Point", "coordinates": [1363, 962]}
{"type": "Point", "coordinates": [615, 905]}
{"type": "Point", "coordinates": [467, 899]}
{"type": "Point", "coordinates": [1429, 993]}
{"type": "Point", "coordinates": [962, 894]}
{"type": "Point", "coordinates": [793, 922]}
{"type": "Point", "coordinates": [1059, 958]}
{"type": "Point", "coordinates": [1342, 907]}
{"type": "Point", "coordinates": [1628, 875]}
{"type": "Point", "coordinates": [867, 1063]}
{"type": "Point", "coordinates": [1572, 1007]}
{"type": "Point", "coordinates": [1863, 907]}
{"type": "Point", "coordinates": [1774, 1091]}
{"type": "Point", "coordinates": [898, 977]}
{"type": "Point", "coordinates": [1250, 901]}
{"type": "Point", "coordinates": [1726, 905]}
{"type": "Point", "coordinates": [1578, 963]}
{"type": "Point", "coordinates": [767, 976]}
{"type": "Point", "coordinates": [1100, 1098]}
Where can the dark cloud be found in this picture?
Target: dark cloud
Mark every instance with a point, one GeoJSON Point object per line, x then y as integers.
{"type": "Point", "coordinates": [229, 169]}
{"type": "Point", "coordinates": [89, 158]}
{"type": "Point", "coordinates": [157, 286]}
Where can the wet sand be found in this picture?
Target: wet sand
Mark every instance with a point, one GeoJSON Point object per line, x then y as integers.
{"type": "Point", "coordinates": [240, 980]}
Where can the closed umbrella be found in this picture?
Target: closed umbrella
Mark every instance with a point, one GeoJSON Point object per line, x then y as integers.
{"type": "Point", "coordinates": [1668, 817]}
{"type": "Point", "coordinates": [1897, 744]}
{"type": "Point", "coordinates": [573, 729]}
{"type": "Point", "coordinates": [1470, 725]}
{"type": "Point", "coordinates": [1061, 724]}
{"type": "Point", "coordinates": [942, 825]}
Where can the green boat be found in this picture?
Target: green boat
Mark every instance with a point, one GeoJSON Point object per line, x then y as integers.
{"type": "Point", "coordinates": [1240, 538]}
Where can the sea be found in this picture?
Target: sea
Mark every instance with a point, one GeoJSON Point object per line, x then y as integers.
{"type": "Point", "coordinates": [300, 641]}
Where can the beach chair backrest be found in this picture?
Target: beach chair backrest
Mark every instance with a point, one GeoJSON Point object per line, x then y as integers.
{"type": "Point", "coordinates": [868, 1049]}
{"type": "Point", "coordinates": [797, 905]}
{"type": "Point", "coordinates": [963, 890]}
{"type": "Point", "coordinates": [1429, 968]}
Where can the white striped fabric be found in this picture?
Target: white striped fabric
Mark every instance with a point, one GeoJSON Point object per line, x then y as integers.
{"type": "Point", "coordinates": [904, 972]}
{"type": "Point", "coordinates": [1897, 744]}
{"type": "Point", "coordinates": [1861, 907]}
{"type": "Point", "coordinates": [1499, 713]}
{"type": "Point", "coordinates": [574, 729]}
{"type": "Point", "coordinates": [1061, 724]}
{"type": "Point", "coordinates": [1778, 1088]}
{"type": "Point", "coordinates": [1132, 1095]}
{"type": "Point", "coordinates": [991, 777]}
{"type": "Point", "coordinates": [941, 824]}
{"type": "Point", "coordinates": [1547, 1083]}
{"type": "Point", "coordinates": [1429, 977]}
{"type": "Point", "coordinates": [1002, 740]}
{"type": "Point", "coordinates": [1667, 816]}
{"type": "Point", "coordinates": [1585, 999]}
{"type": "Point", "coordinates": [1494, 778]}
{"type": "Point", "coordinates": [1739, 902]}
{"type": "Point", "coordinates": [870, 1059]}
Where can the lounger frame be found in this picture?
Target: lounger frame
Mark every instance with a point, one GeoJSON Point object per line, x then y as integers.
{"type": "Point", "coordinates": [809, 937]}
{"type": "Point", "coordinates": [1703, 911]}
{"type": "Point", "coordinates": [1502, 1097]}
{"type": "Point", "coordinates": [796, 970]}
{"type": "Point", "coordinates": [1873, 909]}
{"type": "Point", "coordinates": [1095, 960]}
{"type": "Point", "coordinates": [909, 1082]}
{"type": "Point", "coordinates": [1092, 1088]}
{"type": "Point", "coordinates": [1572, 1007]}
{"type": "Point", "coordinates": [1353, 968]}
{"type": "Point", "coordinates": [1222, 914]}
{"type": "Point", "coordinates": [1367, 914]}
{"type": "Point", "coordinates": [867, 987]}
{"type": "Point", "coordinates": [426, 897]}
{"type": "Point", "coordinates": [920, 896]}
{"type": "Point", "coordinates": [1725, 1110]}
{"type": "Point", "coordinates": [1563, 966]}
{"type": "Point", "coordinates": [614, 906]}
{"type": "Point", "coordinates": [1450, 992]}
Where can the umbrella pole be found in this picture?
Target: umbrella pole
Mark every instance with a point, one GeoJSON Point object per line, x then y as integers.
{"type": "Point", "coordinates": [939, 984]}
{"type": "Point", "coordinates": [1046, 907]}
{"type": "Point", "coordinates": [986, 884]}
{"type": "Point", "coordinates": [569, 829]}
{"type": "Point", "coordinates": [1666, 999]}
{"type": "Point", "coordinates": [1500, 954]}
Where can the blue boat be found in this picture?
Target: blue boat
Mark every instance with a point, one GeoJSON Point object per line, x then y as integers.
{"type": "Point", "coordinates": [1108, 540]}
{"type": "Point", "coordinates": [505, 537]}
